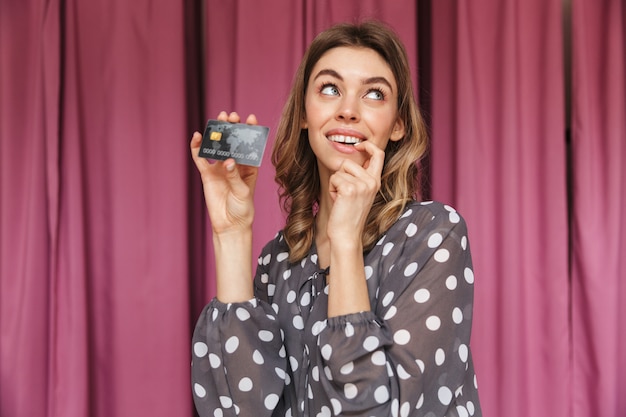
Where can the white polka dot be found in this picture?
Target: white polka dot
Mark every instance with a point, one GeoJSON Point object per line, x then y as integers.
{"type": "Point", "coordinates": [328, 373]}
{"type": "Point", "coordinates": [371, 343]}
{"type": "Point", "coordinates": [463, 353]}
{"type": "Point", "coordinates": [314, 259]}
{"type": "Point", "coordinates": [420, 402]}
{"type": "Point", "coordinates": [402, 373]}
{"type": "Point", "coordinates": [381, 395]}
{"type": "Point", "coordinates": [388, 299]}
{"type": "Point", "coordinates": [454, 218]}
{"type": "Point", "coordinates": [271, 401]}
{"type": "Point", "coordinates": [445, 395]}
{"type": "Point", "coordinates": [369, 271]}
{"type": "Point", "coordinates": [469, 275]}
{"type": "Point", "coordinates": [440, 357]}
{"type": "Point", "coordinates": [275, 308]}
{"type": "Point", "coordinates": [387, 248]}
{"type": "Point", "coordinates": [457, 315]}
{"type": "Point", "coordinates": [402, 337]}
{"type": "Point", "coordinates": [282, 256]}
{"type": "Point", "coordinates": [245, 384]}
{"type": "Point", "coordinates": [347, 368]}
{"type": "Point", "coordinates": [324, 412]}
{"type": "Point", "coordinates": [226, 402]}
{"type": "Point", "coordinates": [318, 327]}
{"type": "Point", "coordinates": [389, 370]}
{"type": "Point", "coordinates": [435, 240]}
{"type": "Point", "coordinates": [306, 299]}
{"type": "Point", "coordinates": [199, 390]}
{"type": "Point", "coordinates": [281, 373]}
{"type": "Point", "coordinates": [315, 373]}
{"type": "Point", "coordinates": [461, 411]}
{"type": "Point", "coordinates": [291, 296]}
{"type": "Point", "coordinates": [242, 314]}
{"type": "Point", "coordinates": [267, 259]}
{"type": "Point", "coordinates": [215, 361]}
{"type": "Point", "coordinates": [350, 391]}
{"type": "Point", "coordinates": [464, 242]}
{"type": "Point", "coordinates": [298, 323]}
{"type": "Point", "coordinates": [200, 349]}
{"type": "Point", "coordinates": [349, 330]}
{"type": "Point", "coordinates": [287, 274]}
{"type": "Point", "coordinates": [405, 410]}
{"type": "Point", "coordinates": [214, 315]}
{"type": "Point", "coordinates": [218, 413]}
{"type": "Point", "coordinates": [336, 406]}
{"type": "Point", "coordinates": [266, 335]}
{"type": "Point", "coordinates": [470, 408]}
{"type": "Point", "coordinates": [451, 282]}
{"type": "Point", "coordinates": [395, 405]}
{"type": "Point", "coordinates": [379, 358]}
{"type": "Point", "coordinates": [294, 363]}
{"type": "Point", "coordinates": [282, 353]}
{"type": "Point", "coordinates": [231, 344]}
{"type": "Point", "coordinates": [391, 312]}
{"type": "Point", "coordinates": [407, 213]}
{"type": "Point", "coordinates": [327, 351]}
{"type": "Point", "coordinates": [442, 255]}
{"type": "Point", "coordinates": [411, 229]}
{"type": "Point", "coordinates": [433, 323]}
{"type": "Point", "coordinates": [410, 269]}
{"type": "Point", "coordinates": [258, 358]}
{"type": "Point", "coordinates": [421, 295]}
{"type": "Point", "coordinates": [420, 364]}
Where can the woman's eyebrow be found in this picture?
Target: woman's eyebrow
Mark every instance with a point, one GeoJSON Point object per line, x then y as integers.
{"type": "Point", "coordinates": [371, 80]}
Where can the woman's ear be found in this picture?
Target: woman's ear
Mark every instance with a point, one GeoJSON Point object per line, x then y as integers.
{"type": "Point", "coordinates": [398, 131]}
{"type": "Point", "coordinates": [303, 122]}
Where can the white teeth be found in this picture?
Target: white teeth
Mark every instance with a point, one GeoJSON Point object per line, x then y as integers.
{"type": "Point", "coordinates": [344, 139]}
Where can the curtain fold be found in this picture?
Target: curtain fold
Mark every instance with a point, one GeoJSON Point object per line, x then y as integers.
{"type": "Point", "coordinates": [94, 288]}
{"type": "Point", "coordinates": [599, 198]}
{"type": "Point", "coordinates": [498, 156]}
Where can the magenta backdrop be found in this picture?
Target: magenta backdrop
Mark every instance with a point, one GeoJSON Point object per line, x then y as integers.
{"type": "Point", "coordinates": [105, 255]}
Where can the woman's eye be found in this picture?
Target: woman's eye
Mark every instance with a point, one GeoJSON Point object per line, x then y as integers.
{"type": "Point", "coordinates": [375, 94]}
{"type": "Point", "coordinates": [329, 90]}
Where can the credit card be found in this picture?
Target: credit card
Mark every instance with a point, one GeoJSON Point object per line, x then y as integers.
{"type": "Point", "coordinates": [242, 142]}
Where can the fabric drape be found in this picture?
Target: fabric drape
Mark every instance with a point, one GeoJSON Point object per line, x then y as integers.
{"type": "Point", "coordinates": [599, 198]}
{"type": "Point", "coordinates": [498, 155]}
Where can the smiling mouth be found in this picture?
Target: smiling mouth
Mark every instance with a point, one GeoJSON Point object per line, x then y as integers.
{"type": "Point", "coordinates": [347, 140]}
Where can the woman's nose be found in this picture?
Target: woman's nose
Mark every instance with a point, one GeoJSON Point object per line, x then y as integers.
{"type": "Point", "coordinates": [349, 110]}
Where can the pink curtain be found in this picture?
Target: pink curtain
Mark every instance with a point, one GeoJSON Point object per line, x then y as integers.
{"type": "Point", "coordinates": [599, 206]}
{"type": "Point", "coordinates": [498, 154]}
{"type": "Point", "coordinates": [94, 316]}
{"type": "Point", "coordinates": [105, 254]}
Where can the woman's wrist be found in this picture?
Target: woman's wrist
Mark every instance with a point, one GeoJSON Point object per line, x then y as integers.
{"type": "Point", "coordinates": [233, 265]}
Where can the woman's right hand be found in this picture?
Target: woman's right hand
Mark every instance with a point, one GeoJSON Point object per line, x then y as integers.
{"type": "Point", "coordinates": [228, 187]}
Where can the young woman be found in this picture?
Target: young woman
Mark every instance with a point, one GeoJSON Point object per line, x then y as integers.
{"type": "Point", "coordinates": [362, 304]}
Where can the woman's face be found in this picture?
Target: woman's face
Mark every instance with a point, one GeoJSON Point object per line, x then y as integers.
{"type": "Point", "coordinates": [351, 96]}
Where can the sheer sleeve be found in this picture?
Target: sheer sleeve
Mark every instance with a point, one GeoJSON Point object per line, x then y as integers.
{"type": "Point", "coordinates": [238, 359]}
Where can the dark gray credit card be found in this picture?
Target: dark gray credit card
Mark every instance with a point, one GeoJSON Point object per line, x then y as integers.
{"type": "Point", "coordinates": [242, 142]}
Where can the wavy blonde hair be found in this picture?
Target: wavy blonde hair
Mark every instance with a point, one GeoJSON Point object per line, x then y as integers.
{"type": "Point", "coordinates": [296, 164]}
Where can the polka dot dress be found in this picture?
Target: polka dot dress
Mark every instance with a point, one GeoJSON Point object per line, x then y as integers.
{"type": "Point", "coordinates": [279, 355]}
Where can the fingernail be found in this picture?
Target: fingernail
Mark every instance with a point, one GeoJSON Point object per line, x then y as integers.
{"type": "Point", "coordinates": [230, 167]}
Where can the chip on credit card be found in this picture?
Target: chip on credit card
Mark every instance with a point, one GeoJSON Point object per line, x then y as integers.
{"type": "Point", "coordinates": [243, 142]}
